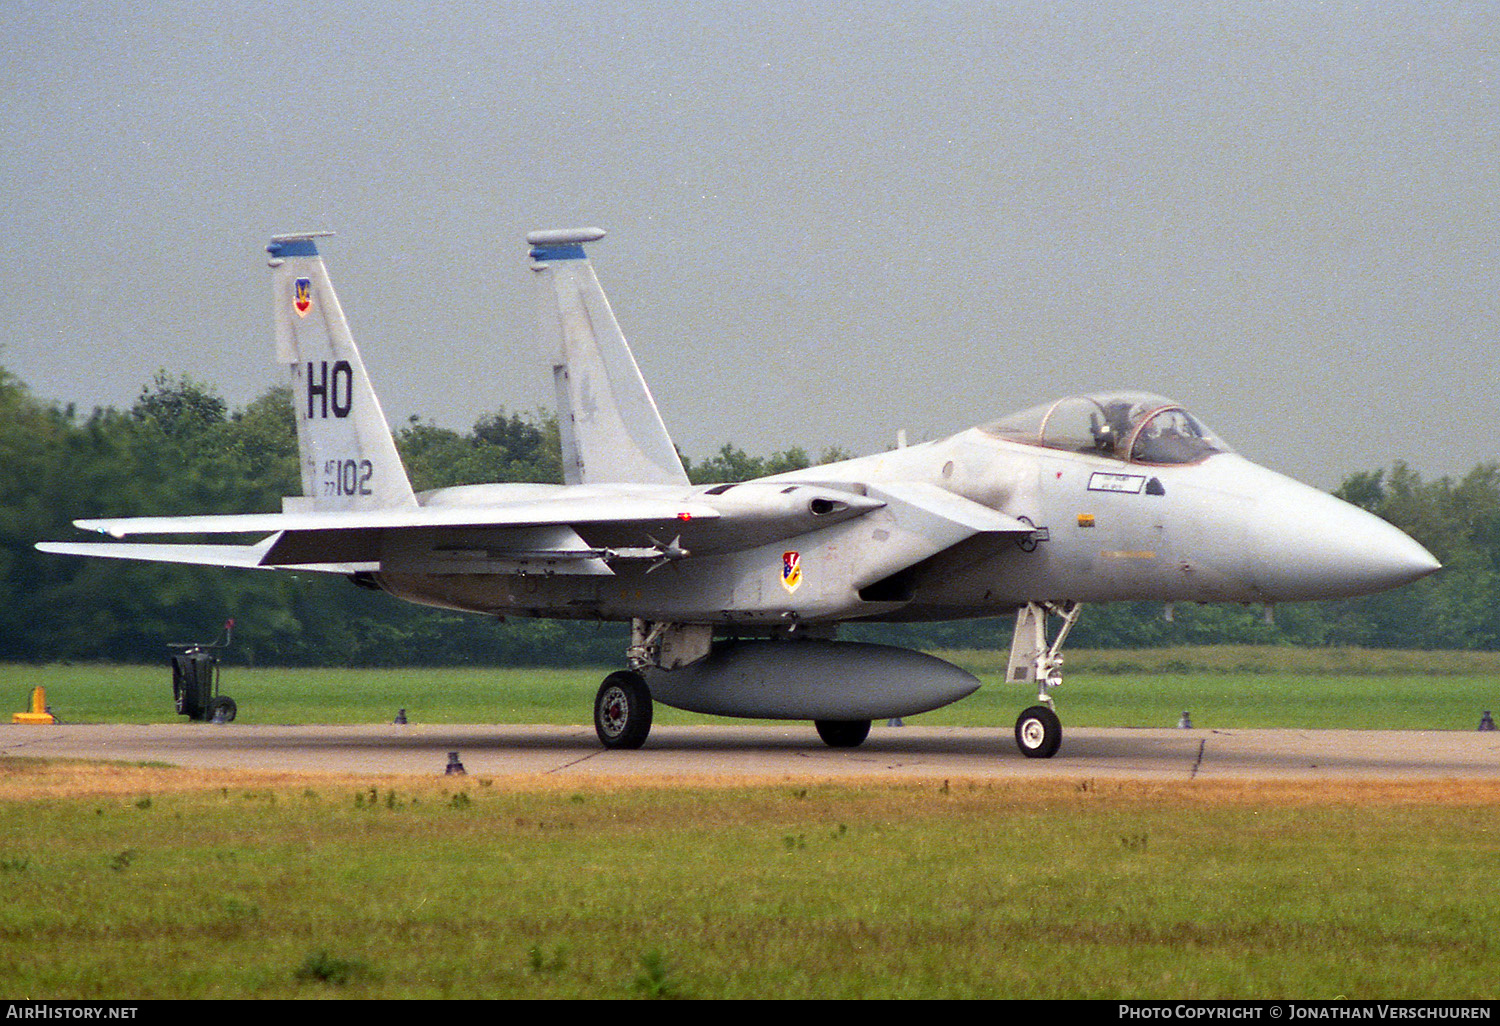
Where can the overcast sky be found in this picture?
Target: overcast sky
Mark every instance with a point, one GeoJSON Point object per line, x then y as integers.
{"type": "Point", "coordinates": [826, 221]}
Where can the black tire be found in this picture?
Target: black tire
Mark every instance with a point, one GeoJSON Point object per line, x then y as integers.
{"type": "Point", "coordinates": [223, 705]}
{"type": "Point", "coordinates": [843, 733]}
{"type": "Point", "coordinates": [622, 711]}
{"type": "Point", "coordinates": [1038, 733]}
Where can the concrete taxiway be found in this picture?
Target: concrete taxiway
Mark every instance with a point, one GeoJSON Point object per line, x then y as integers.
{"type": "Point", "coordinates": [777, 751]}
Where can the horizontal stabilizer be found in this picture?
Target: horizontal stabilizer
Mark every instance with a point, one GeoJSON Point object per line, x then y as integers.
{"type": "Point", "coordinates": [248, 557]}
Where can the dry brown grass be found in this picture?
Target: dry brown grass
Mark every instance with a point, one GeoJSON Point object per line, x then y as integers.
{"type": "Point", "coordinates": [33, 779]}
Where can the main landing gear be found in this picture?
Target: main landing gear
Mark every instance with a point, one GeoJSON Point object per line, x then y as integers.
{"type": "Point", "coordinates": [622, 707]}
{"type": "Point", "coordinates": [1032, 658]}
{"type": "Point", "coordinates": [622, 710]}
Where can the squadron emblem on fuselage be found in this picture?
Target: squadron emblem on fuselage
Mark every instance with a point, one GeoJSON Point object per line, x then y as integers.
{"type": "Point", "coordinates": [791, 570]}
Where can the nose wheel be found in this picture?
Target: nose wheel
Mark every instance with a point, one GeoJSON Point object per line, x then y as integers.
{"type": "Point", "coordinates": [1038, 732]}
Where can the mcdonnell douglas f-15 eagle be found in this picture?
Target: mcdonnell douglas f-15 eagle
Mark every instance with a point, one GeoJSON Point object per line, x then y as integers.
{"type": "Point", "coordinates": [734, 591]}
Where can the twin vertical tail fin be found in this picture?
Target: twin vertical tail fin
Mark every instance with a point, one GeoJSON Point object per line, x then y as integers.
{"type": "Point", "coordinates": [349, 459]}
{"type": "Point", "coordinates": [611, 429]}
{"type": "Point", "coordinates": [612, 432]}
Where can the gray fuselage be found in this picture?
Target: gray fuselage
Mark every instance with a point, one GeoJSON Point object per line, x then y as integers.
{"type": "Point", "coordinates": [1220, 529]}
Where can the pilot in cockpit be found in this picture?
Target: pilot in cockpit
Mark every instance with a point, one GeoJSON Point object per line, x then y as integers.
{"type": "Point", "coordinates": [1131, 426]}
{"type": "Point", "coordinates": [1170, 436]}
{"type": "Point", "coordinates": [1114, 426]}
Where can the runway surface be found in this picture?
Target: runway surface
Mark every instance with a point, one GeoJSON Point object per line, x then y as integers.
{"type": "Point", "coordinates": [757, 751]}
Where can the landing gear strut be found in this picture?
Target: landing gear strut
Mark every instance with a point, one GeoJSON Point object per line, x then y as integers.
{"type": "Point", "coordinates": [622, 708]}
{"type": "Point", "coordinates": [1032, 658]}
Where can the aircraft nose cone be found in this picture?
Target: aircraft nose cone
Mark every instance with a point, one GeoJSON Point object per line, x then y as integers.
{"type": "Point", "coordinates": [1317, 547]}
{"type": "Point", "coordinates": [1361, 554]}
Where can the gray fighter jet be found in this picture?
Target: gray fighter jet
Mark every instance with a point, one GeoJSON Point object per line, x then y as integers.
{"type": "Point", "coordinates": [735, 591]}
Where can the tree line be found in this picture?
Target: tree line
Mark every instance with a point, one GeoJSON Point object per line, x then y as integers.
{"type": "Point", "coordinates": [180, 449]}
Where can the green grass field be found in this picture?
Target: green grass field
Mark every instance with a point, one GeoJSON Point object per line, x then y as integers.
{"type": "Point", "coordinates": [139, 882]}
{"type": "Point", "coordinates": [1220, 687]}
{"type": "Point", "coordinates": [165, 883]}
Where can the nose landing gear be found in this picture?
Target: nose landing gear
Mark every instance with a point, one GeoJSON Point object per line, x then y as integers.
{"type": "Point", "coordinates": [1038, 732]}
{"type": "Point", "coordinates": [1032, 658]}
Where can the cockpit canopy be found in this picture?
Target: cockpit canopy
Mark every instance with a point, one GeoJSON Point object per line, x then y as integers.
{"type": "Point", "coordinates": [1133, 426]}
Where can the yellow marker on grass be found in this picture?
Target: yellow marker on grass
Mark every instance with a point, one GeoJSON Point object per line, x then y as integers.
{"type": "Point", "coordinates": [38, 713]}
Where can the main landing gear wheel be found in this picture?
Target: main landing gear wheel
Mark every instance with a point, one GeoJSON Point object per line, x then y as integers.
{"type": "Point", "coordinates": [843, 733]}
{"type": "Point", "coordinates": [1038, 732]}
{"type": "Point", "coordinates": [622, 711]}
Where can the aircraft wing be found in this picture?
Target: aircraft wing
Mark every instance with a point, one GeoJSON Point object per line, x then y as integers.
{"type": "Point", "coordinates": [547, 533]}
{"type": "Point", "coordinates": [517, 535]}
{"type": "Point", "coordinates": [560, 510]}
